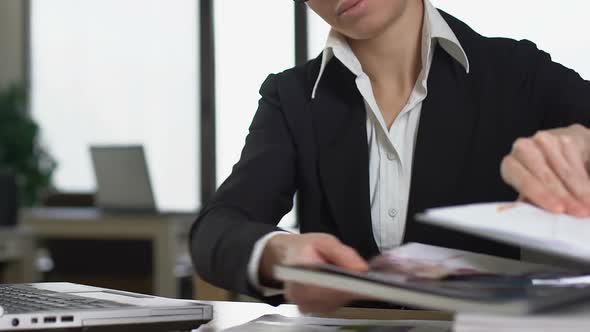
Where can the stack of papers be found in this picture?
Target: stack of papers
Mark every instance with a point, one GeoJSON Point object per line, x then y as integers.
{"type": "Point", "coordinates": [277, 323]}
{"type": "Point", "coordinates": [527, 226]}
{"type": "Point", "coordinates": [424, 276]}
{"type": "Point", "coordinates": [572, 319]}
{"type": "Point", "coordinates": [488, 293]}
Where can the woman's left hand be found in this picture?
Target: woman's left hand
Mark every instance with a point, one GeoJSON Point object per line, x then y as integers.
{"type": "Point", "coordinates": [550, 170]}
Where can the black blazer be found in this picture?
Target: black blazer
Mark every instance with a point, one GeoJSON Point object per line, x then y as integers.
{"type": "Point", "coordinates": [318, 148]}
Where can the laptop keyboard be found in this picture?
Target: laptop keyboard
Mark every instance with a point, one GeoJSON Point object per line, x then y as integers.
{"type": "Point", "coordinates": [16, 300]}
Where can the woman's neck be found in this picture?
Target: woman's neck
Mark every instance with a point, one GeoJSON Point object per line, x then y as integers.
{"type": "Point", "coordinates": [395, 54]}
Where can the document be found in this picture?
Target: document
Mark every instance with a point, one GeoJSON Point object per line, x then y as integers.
{"type": "Point", "coordinates": [571, 319]}
{"type": "Point", "coordinates": [518, 224]}
{"type": "Point", "coordinates": [277, 323]}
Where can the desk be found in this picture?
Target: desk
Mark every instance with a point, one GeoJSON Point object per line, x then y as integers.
{"type": "Point", "coordinates": [230, 314]}
{"type": "Point", "coordinates": [167, 233]}
{"type": "Point", "coordinates": [17, 253]}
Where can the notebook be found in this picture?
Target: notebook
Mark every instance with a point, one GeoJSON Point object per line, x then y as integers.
{"type": "Point", "coordinates": [518, 224]}
{"type": "Point", "coordinates": [61, 305]}
{"type": "Point", "coordinates": [430, 277]}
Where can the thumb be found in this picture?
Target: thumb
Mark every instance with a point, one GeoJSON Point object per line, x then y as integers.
{"type": "Point", "coordinates": [342, 256]}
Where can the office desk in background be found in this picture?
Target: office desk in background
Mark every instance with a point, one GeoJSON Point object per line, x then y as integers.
{"type": "Point", "coordinates": [230, 314]}
{"type": "Point", "coordinates": [17, 255]}
{"type": "Point", "coordinates": [167, 233]}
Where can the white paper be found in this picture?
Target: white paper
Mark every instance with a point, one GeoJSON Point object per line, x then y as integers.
{"type": "Point", "coordinates": [519, 224]}
{"type": "Point", "coordinates": [567, 318]}
{"type": "Point", "coordinates": [272, 323]}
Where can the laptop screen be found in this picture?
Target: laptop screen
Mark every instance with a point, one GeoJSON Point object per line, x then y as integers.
{"type": "Point", "coordinates": [122, 178]}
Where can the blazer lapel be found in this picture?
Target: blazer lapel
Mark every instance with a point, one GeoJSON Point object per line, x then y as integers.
{"type": "Point", "coordinates": [340, 127]}
{"type": "Point", "coordinates": [447, 125]}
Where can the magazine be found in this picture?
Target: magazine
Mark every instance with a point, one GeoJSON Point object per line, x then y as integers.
{"type": "Point", "coordinates": [438, 278]}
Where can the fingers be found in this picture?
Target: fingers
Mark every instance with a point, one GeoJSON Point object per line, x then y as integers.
{"type": "Point", "coordinates": [316, 299]}
{"type": "Point", "coordinates": [529, 187]}
{"type": "Point", "coordinates": [549, 171]}
{"type": "Point", "coordinates": [553, 151]}
{"type": "Point", "coordinates": [530, 155]}
{"type": "Point", "coordinates": [581, 187]}
{"type": "Point", "coordinates": [310, 249]}
{"type": "Point", "coordinates": [333, 251]}
{"type": "Point", "coordinates": [318, 248]}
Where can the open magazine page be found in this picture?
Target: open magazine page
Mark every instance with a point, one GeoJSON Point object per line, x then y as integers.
{"type": "Point", "coordinates": [277, 323]}
{"type": "Point", "coordinates": [431, 262]}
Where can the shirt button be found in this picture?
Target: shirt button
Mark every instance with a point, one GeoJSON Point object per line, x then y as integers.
{"type": "Point", "coordinates": [392, 213]}
{"type": "Point", "coordinates": [390, 156]}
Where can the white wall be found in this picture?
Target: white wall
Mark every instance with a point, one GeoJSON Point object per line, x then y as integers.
{"type": "Point", "coordinates": [253, 40]}
{"type": "Point", "coordinates": [318, 32]}
{"type": "Point", "coordinates": [557, 27]}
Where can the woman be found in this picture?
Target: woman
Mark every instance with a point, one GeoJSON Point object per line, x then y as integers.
{"type": "Point", "coordinates": [407, 108]}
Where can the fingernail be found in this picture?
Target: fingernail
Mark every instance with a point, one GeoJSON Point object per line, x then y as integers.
{"type": "Point", "coordinates": [578, 214]}
{"type": "Point", "coordinates": [558, 208]}
{"type": "Point", "coordinates": [582, 213]}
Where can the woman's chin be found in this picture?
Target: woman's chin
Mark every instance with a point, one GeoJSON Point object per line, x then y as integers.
{"type": "Point", "coordinates": [363, 31]}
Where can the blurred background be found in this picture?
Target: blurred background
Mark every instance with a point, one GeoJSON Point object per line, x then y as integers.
{"type": "Point", "coordinates": [179, 79]}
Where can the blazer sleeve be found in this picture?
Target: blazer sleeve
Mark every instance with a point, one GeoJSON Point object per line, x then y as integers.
{"type": "Point", "coordinates": [560, 92]}
{"type": "Point", "coordinates": [249, 204]}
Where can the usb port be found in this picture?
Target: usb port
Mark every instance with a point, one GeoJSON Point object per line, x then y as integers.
{"type": "Point", "coordinates": [67, 318]}
{"type": "Point", "coordinates": [50, 319]}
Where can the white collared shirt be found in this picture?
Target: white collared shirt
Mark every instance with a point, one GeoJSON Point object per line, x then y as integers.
{"type": "Point", "coordinates": [390, 150]}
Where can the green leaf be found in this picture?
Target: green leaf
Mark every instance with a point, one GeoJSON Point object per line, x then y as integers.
{"type": "Point", "coordinates": [20, 151]}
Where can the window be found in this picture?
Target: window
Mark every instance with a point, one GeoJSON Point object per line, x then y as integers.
{"type": "Point", "coordinates": [119, 72]}
{"type": "Point", "coordinates": [253, 40]}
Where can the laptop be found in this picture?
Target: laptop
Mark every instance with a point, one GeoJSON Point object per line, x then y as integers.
{"type": "Point", "coordinates": [62, 305]}
{"type": "Point", "coordinates": [122, 179]}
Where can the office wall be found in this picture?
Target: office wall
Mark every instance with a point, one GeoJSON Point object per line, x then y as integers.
{"type": "Point", "coordinates": [12, 41]}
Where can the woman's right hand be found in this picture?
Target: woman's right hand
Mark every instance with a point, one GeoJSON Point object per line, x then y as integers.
{"type": "Point", "coordinates": [310, 249]}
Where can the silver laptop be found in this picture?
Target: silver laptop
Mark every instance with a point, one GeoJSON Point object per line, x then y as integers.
{"type": "Point", "coordinates": [42, 306]}
{"type": "Point", "coordinates": [122, 179]}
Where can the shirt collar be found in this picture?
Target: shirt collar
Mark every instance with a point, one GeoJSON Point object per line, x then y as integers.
{"type": "Point", "coordinates": [435, 29]}
{"type": "Point", "coordinates": [441, 31]}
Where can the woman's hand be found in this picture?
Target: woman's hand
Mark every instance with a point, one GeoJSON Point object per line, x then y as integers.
{"type": "Point", "coordinates": [310, 249]}
{"type": "Point", "coordinates": [550, 170]}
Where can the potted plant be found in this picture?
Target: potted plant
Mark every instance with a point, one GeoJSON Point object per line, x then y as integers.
{"type": "Point", "coordinates": [23, 161]}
